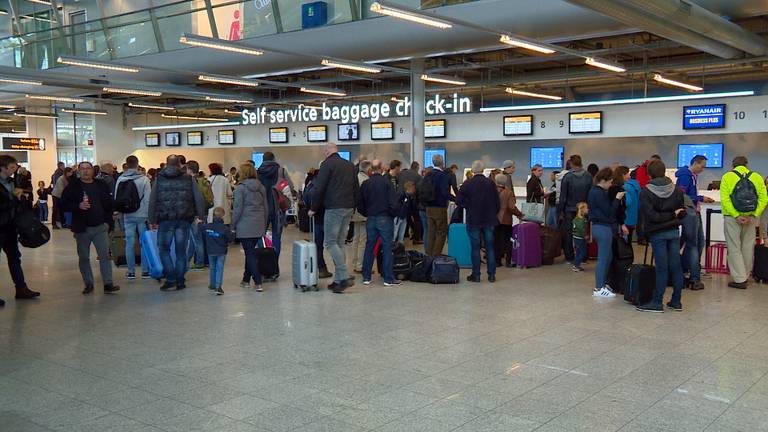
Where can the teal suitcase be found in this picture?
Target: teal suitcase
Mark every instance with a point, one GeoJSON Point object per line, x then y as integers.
{"type": "Point", "coordinates": [458, 245]}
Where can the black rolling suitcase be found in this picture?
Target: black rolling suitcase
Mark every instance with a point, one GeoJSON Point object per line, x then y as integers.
{"type": "Point", "coordinates": [623, 258]}
{"type": "Point", "coordinates": [640, 282]}
{"type": "Point", "coordinates": [760, 268]}
{"type": "Point", "coordinates": [303, 218]}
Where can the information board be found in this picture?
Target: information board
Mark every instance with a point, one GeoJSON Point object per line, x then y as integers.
{"type": "Point", "coordinates": [585, 122]}
{"type": "Point", "coordinates": [428, 153]}
{"type": "Point", "coordinates": [317, 133]}
{"type": "Point", "coordinates": [13, 143]}
{"type": "Point", "coordinates": [173, 139]}
{"type": "Point", "coordinates": [195, 138]}
{"type": "Point", "coordinates": [547, 157]}
{"type": "Point", "coordinates": [349, 132]}
{"type": "Point", "coordinates": [704, 117]}
{"type": "Point", "coordinates": [345, 155]}
{"type": "Point", "coordinates": [227, 137]}
{"type": "Point", "coordinates": [278, 135]}
{"type": "Point", "coordinates": [518, 125]}
{"type": "Point", "coordinates": [382, 131]}
{"type": "Point", "coordinates": [257, 158]}
{"type": "Point", "coordinates": [434, 129]}
{"type": "Point", "coordinates": [152, 139]}
{"type": "Point", "coordinates": [713, 153]}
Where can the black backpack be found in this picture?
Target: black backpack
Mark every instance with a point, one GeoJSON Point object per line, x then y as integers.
{"type": "Point", "coordinates": [32, 233]}
{"type": "Point", "coordinates": [744, 195]}
{"type": "Point", "coordinates": [426, 191]}
{"type": "Point", "coordinates": [127, 198]}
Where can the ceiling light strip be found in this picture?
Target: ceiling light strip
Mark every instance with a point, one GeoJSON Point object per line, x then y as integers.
{"type": "Point", "coordinates": [228, 80]}
{"type": "Point", "coordinates": [5, 120]}
{"type": "Point", "coordinates": [620, 101]}
{"type": "Point", "coordinates": [83, 111]}
{"type": "Point", "coordinates": [443, 79]}
{"type": "Point", "coordinates": [201, 41]}
{"type": "Point", "coordinates": [322, 91]}
{"type": "Point", "coordinates": [37, 115]}
{"type": "Point", "coordinates": [181, 117]}
{"type": "Point", "coordinates": [356, 67]}
{"type": "Point", "coordinates": [519, 43]}
{"type": "Point", "coordinates": [532, 94]}
{"type": "Point", "coordinates": [19, 81]}
{"type": "Point", "coordinates": [605, 64]}
{"type": "Point", "coordinates": [55, 98]}
{"type": "Point", "coordinates": [150, 106]}
{"type": "Point", "coordinates": [186, 126]}
{"type": "Point", "coordinates": [133, 92]}
{"type": "Point", "coordinates": [97, 65]}
{"type": "Point", "coordinates": [228, 100]}
{"type": "Point", "coordinates": [659, 78]}
{"type": "Point", "coordinates": [409, 15]}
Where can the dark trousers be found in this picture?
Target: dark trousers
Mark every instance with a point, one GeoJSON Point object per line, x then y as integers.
{"type": "Point", "coordinates": [319, 239]}
{"type": "Point", "coordinates": [57, 217]}
{"type": "Point", "coordinates": [251, 261]}
{"type": "Point", "coordinates": [477, 237]}
{"type": "Point", "coordinates": [10, 245]}
{"type": "Point", "coordinates": [566, 229]}
{"type": "Point", "coordinates": [503, 243]}
{"type": "Point", "coordinates": [414, 226]}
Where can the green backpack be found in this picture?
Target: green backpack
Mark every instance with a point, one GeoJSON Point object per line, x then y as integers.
{"type": "Point", "coordinates": [205, 188]}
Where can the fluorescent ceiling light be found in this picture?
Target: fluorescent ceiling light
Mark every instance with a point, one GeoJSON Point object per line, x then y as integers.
{"type": "Point", "coordinates": [151, 106]}
{"type": "Point", "coordinates": [604, 64]}
{"type": "Point", "coordinates": [691, 87]}
{"type": "Point", "coordinates": [18, 131]}
{"type": "Point", "coordinates": [181, 117]}
{"type": "Point", "coordinates": [409, 15]}
{"type": "Point", "coordinates": [10, 107]}
{"type": "Point", "coordinates": [37, 115]}
{"type": "Point", "coordinates": [202, 41]}
{"type": "Point", "coordinates": [229, 111]}
{"type": "Point", "coordinates": [303, 105]}
{"type": "Point", "coordinates": [519, 43]}
{"type": "Point", "coordinates": [395, 99]}
{"type": "Point", "coordinates": [6, 120]}
{"type": "Point", "coordinates": [96, 65]}
{"type": "Point", "coordinates": [323, 91]}
{"type": "Point", "coordinates": [44, 2]}
{"type": "Point", "coordinates": [620, 101]}
{"type": "Point", "coordinates": [83, 111]}
{"type": "Point", "coordinates": [135, 92]}
{"type": "Point", "coordinates": [55, 98]}
{"type": "Point", "coordinates": [228, 100]}
{"type": "Point", "coordinates": [228, 80]}
{"type": "Point", "coordinates": [184, 126]}
{"type": "Point", "coordinates": [531, 94]}
{"type": "Point", "coordinates": [443, 79]}
{"type": "Point", "coordinates": [357, 67]}
{"type": "Point", "coordinates": [19, 81]}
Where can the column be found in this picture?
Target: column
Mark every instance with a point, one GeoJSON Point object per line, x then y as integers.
{"type": "Point", "coordinates": [417, 111]}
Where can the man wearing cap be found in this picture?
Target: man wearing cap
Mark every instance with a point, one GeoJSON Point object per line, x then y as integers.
{"type": "Point", "coordinates": [508, 168]}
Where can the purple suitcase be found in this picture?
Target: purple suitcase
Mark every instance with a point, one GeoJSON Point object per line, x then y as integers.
{"type": "Point", "coordinates": [526, 245]}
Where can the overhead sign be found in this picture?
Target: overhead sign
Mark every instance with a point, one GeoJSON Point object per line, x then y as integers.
{"type": "Point", "coordinates": [352, 113]}
{"type": "Point", "coordinates": [704, 117]}
{"type": "Point", "coordinates": [586, 122]}
{"type": "Point", "coordinates": [12, 143]}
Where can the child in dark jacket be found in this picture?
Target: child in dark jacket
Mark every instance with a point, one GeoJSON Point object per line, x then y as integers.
{"type": "Point", "coordinates": [217, 237]}
{"type": "Point", "coordinates": [406, 205]}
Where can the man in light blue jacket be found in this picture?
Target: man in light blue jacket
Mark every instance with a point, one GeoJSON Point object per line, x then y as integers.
{"type": "Point", "coordinates": [136, 221]}
{"type": "Point", "coordinates": [693, 230]}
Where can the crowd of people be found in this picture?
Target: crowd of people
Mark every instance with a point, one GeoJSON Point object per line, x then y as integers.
{"type": "Point", "coordinates": [197, 216]}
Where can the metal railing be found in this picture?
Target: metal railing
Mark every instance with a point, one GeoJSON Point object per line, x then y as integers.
{"type": "Point", "coordinates": [158, 29]}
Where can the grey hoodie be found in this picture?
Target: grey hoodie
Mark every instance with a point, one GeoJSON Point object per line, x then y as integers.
{"type": "Point", "coordinates": [574, 189]}
{"type": "Point", "coordinates": [662, 187]}
{"type": "Point", "coordinates": [249, 216]}
{"type": "Point", "coordinates": [142, 185]}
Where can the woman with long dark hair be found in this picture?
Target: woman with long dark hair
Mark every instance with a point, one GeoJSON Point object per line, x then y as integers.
{"type": "Point", "coordinates": [602, 214]}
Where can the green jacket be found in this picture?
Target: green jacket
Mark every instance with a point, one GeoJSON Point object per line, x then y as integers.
{"type": "Point", "coordinates": [728, 183]}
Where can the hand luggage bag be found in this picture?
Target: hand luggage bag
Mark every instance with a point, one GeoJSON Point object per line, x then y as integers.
{"type": "Point", "coordinates": [267, 259]}
{"type": "Point", "coordinates": [551, 245]}
{"type": "Point", "coordinates": [117, 248]}
{"type": "Point", "coordinates": [526, 244]}
{"type": "Point", "coordinates": [401, 262]}
{"type": "Point", "coordinates": [760, 268]}
{"type": "Point", "coordinates": [445, 270]}
{"type": "Point", "coordinates": [304, 218]}
{"type": "Point", "coordinates": [422, 267]}
{"type": "Point", "coordinates": [304, 262]}
{"type": "Point", "coordinates": [640, 282]}
{"type": "Point", "coordinates": [458, 244]}
{"type": "Point", "coordinates": [151, 251]}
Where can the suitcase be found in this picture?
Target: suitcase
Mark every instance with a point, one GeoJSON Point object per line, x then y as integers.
{"type": "Point", "coordinates": [303, 218]}
{"type": "Point", "coordinates": [640, 282]}
{"type": "Point", "coordinates": [760, 268]}
{"type": "Point", "coordinates": [304, 263]}
{"type": "Point", "coordinates": [551, 245]}
{"type": "Point", "coordinates": [445, 270]}
{"type": "Point", "coordinates": [458, 244]}
{"type": "Point", "coordinates": [117, 248]}
{"type": "Point", "coordinates": [422, 267]}
{"type": "Point", "coordinates": [401, 262]}
{"type": "Point", "coordinates": [268, 264]}
{"type": "Point", "coordinates": [526, 245]}
{"type": "Point", "coordinates": [592, 250]}
{"type": "Point", "coordinates": [617, 275]}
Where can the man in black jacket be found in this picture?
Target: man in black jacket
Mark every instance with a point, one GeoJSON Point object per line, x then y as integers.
{"type": "Point", "coordinates": [336, 190]}
{"type": "Point", "coordinates": [174, 204]}
{"type": "Point", "coordinates": [378, 202]}
{"type": "Point", "coordinates": [574, 189]}
{"type": "Point", "coordinates": [480, 197]}
{"type": "Point", "coordinates": [90, 201]}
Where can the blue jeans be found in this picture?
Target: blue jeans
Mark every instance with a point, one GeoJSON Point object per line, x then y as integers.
{"type": "Point", "coordinates": [693, 234]}
{"type": "Point", "coordinates": [176, 232]}
{"type": "Point", "coordinates": [133, 224]}
{"type": "Point", "coordinates": [42, 208]}
{"type": "Point", "coordinates": [400, 225]}
{"type": "Point", "coordinates": [552, 217]}
{"type": "Point", "coordinates": [379, 227]}
{"type": "Point", "coordinates": [216, 268]}
{"type": "Point", "coordinates": [580, 249]}
{"type": "Point", "coordinates": [666, 252]}
{"type": "Point", "coordinates": [251, 262]}
{"type": "Point", "coordinates": [425, 237]}
{"type": "Point", "coordinates": [484, 234]}
{"type": "Point", "coordinates": [196, 247]}
{"type": "Point", "coordinates": [603, 235]}
{"type": "Point", "coordinates": [276, 224]}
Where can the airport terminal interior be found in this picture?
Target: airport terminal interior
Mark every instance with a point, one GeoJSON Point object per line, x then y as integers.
{"type": "Point", "coordinates": [503, 91]}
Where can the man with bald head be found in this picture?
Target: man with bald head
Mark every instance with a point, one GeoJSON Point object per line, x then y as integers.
{"type": "Point", "coordinates": [378, 202]}
{"type": "Point", "coordinates": [336, 191]}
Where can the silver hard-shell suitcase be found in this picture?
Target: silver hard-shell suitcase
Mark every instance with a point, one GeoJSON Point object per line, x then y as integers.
{"type": "Point", "coordinates": [305, 263]}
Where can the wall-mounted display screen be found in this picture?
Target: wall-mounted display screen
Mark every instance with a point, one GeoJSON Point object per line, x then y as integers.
{"type": "Point", "coordinates": [195, 138]}
{"type": "Point", "coordinates": [278, 135]}
{"type": "Point", "coordinates": [434, 129]}
{"type": "Point", "coordinates": [345, 155]}
{"type": "Point", "coordinates": [152, 139]}
{"type": "Point", "coordinates": [349, 132]}
{"type": "Point", "coordinates": [704, 117]}
{"type": "Point", "coordinates": [257, 158]}
{"type": "Point", "coordinates": [713, 153]}
{"type": "Point", "coordinates": [227, 137]}
{"type": "Point", "coordinates": [317, 133]}
{"type": "Point", "coordinates": [172, 139]}
{"type": "Point", "coordinates": [382, 131]}
{"type": "Point", "coordinates": [428, 153]}
{"type": "Point", "coordinates": [547, 157]}
{"type": "Point", "coordinates": [585, 122]}
{"type": "Point", "coordinates": [518, 125]}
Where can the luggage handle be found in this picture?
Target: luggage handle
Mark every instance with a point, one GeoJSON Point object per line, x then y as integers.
{"type": "Point", "coordinates": [312, 228]}
{"type": "Point", "coordinates": [645, 255]}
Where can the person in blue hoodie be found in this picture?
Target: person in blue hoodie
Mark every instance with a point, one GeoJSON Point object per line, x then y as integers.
{"type": "Point", "coordinates": [693, 230]}
{"type": "Point", "coordinates": [632, 202]}
{"type": "Point", "coordinates": [217, 237]}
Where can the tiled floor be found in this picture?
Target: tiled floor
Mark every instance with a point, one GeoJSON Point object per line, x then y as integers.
{"type": "Point", "coordinates": [532, 352]}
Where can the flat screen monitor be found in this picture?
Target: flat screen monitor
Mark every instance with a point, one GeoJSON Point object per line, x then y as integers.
{"type": "Point", "coordinates": [585, 122]}
{"type": "Point", "coordinates": [152, 139]}
{"type": "Point", "coordinates": [704, 117]}
{"type": "Point", "coordinates": [518, 125]}
{"type": "Point", "coordinates": [434, 129]}
{"type": "Point", "coordinates": [317, 133]}
{"type": "Point", "coordinates": [547, 157]}
{"type": "Point", "coordinates": [172, 139]}
{"type": "Point", "coordinates": [227, 137]}
{"type": "Point", "coordinates": [345, 155]}
{"type": "Point", "coordinates": [713, 153]}
{"type": "Point", "coordinates": [428, 153]}
{"type": "Point", "coordinates": [349, 132]}
{"type": "Point", "coordinates": [382, 131]}
{"type": "Point", "coordinates": [278, 135]}
{"type": "Point", "coordinates": [195, 138]}
{"type": "Point", "coordinates": [257, 159]}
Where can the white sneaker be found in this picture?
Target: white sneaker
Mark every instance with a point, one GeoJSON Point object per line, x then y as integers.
{"type": "Point", "coordinates": [366, 282]}
{"type": "Point", "coordinates": [603, 292]}
{"type": "Point", "coordinates": [394, 283]}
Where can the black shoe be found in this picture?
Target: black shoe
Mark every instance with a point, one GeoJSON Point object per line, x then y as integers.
{"type": "Point", "coordinates": [472, 278]}
{"type": "Point", "coordinates": [492, 278]}
{"type": "Point", "coordinates": [650, 307]}
{"type": "Point", "coordinates": [509, 265]}
{"type": "Point", "coordinates": [349, 282]}
{"type": "Point", "coordinates": [219, 291]}
{"type": "Point", "coordinates": [737, 285]}
{"type": "Point", "coordinates": [167, 286]}
{"type": "Point", "coordinates": [341, 287]}
{"type": "Point", "coordinates": [110, 288]}
{"type": "Point", "coordinates": [88, 289]}
{"type": "Point", "coordinates": [697, 286]}
{"type": "Point", "coordinates": [324, 274]}
{"type": "Point", "coordinates": [26, 293]}
{"type": "Point", "coordinates": [180, 286]}
{"type": "Point", "coordinates": [333, 286]}
{"type": "Point", "coordinates": [675, 307]}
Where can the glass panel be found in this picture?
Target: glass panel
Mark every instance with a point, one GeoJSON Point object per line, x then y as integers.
{"type": "Point", "coordinates": [133, 40]}
{"type": "Point", "coordinates": [10, 52]}
{"type": "Point", "coordinates": [172, 28]}
{"type": "Point", "coordinates": [131, 18]}
{"type": "Point", "coordinates": [65, 130]}
{"type": "Point", "coordinates": [67, 155]}
{"type": "Point", "coordinates": [6, 28]}
{"type": "Point", "coordinates": [85, 154]}
{"type": "Point", "coordinates": [338, 11]}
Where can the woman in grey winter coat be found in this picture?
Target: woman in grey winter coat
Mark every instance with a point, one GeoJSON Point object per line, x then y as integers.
{"type": "Point", "coordinates": [249, 220]}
